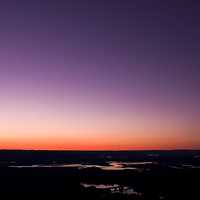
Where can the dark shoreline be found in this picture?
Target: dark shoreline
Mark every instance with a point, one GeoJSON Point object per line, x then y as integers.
{"type": "Point", "coordinates": [173, 177]}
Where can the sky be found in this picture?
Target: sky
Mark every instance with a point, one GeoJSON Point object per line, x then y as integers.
{"type": "Point", "coordinates": [99, 74]}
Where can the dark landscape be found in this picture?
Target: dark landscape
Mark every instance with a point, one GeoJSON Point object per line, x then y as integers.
{"type": "Point", "coordinates": [100, 174]}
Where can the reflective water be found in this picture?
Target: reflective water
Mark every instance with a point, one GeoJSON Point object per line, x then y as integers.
{"type": "Point", "coordinates": [115, 188]}
{"type": "Point", "coordinates": [191, 166]}
{"type": "Point", "coordinates": [113, 165]}
{"type": "Point", "coordinates": [184, 166]}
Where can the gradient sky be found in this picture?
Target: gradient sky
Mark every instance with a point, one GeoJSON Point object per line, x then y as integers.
{"type": "Point", "coordinates": [99, 74]}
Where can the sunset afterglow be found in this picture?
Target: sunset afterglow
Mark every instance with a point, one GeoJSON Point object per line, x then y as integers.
{"type": "Point", "coordinates": [77, 80]}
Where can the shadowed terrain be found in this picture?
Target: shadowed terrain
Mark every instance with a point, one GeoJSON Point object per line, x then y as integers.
{"type": "Point", "coordinates": [88, 175]}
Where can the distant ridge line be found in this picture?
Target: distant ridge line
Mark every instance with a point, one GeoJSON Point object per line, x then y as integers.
{"type": "Point", "coordinates": [150, 150]}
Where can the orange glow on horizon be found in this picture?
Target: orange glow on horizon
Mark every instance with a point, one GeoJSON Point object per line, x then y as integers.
{"type": "Point", "coordinates": [100, 144]}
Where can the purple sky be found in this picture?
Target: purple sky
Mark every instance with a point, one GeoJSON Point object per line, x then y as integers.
{"type": "Point", "coordinates": [95, 62]}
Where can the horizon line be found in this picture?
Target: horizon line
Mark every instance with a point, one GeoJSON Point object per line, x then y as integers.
{"type": "Point", "coordinates": [99, 150]}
